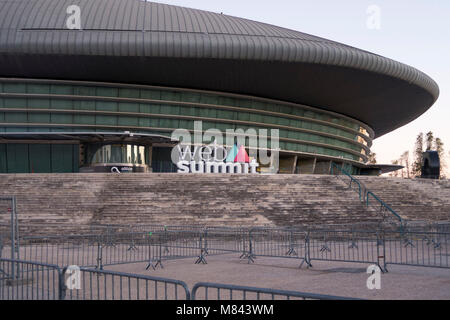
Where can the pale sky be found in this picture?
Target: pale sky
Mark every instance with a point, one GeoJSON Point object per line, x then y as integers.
{"type": "Point", "coordinates": [415, 32]}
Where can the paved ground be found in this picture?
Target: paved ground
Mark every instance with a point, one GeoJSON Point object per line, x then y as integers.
{"type": "Point", "coordinates": [341, 279]}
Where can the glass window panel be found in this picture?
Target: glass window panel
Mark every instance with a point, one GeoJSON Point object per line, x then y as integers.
{"type": "Point", "coordinates": [225, 101]}
{"type": "Point", "coordinates": [84, 119]}
{"type": "Point", "coordinates": [84, 105]}
{"type": "Point", "coordinates": [16, 117]}
{"type": "Point", "coordinates": [129, 93]}
{"type": "Point", "coordinates": [61, 89]}
{"type": "Point", "coordinates": [38, 88]}
{"type": "Point", "coordinates": [154, 122]}
{"type": "Point", "coordinates": [144, 108]}
{"type": "Point", "coordinates": [224, 114]}
{"type": "Point", "coordinates": [14, 87]}
{"type": "Point", "coordinates": [106, 120]}
{"type": "Point", "coordinates": [144, 122]}
{"type": "Point", "coordinates": [15, 103]}
{"type": "Point", "coordinates": [61, 104]}
{"type": "Point", "coordinates": [38, 103]}
{"type": "Point", "coordinates": [84, 91]}
{"type": "Point", "coordinates": [107, 92]}
{"type": "Point", "coordinates": [170, 96]}
{"type": "Point", "coordinates": [190, 97]}
{"type": "Point", "coordinates": [61, 118]}
{"type": "Point", "coordinates": [106, 106]}
{"type": "Point", "coordinates": [128, 121]}
{"type": "Point", "coordinates": [128, 107]}
{"type": "Point", "coordinates": [151, 94]}
{"type": "Point", "coordinates": [117, 153]}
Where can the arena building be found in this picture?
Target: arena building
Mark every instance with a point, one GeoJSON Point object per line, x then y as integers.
{"type": "Point", "coordinates": [111, 92]}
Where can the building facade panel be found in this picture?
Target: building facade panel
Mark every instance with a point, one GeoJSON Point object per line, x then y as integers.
{"type": "Point", "coordinates": [39, 106]}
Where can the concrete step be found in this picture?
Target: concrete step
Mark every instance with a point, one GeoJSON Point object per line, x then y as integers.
{"type": "Point", "coordinates": [274, 200]}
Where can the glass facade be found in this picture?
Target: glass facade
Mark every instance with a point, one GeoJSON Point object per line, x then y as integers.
{"type": "Point", "coordinates": [38, 158]}
{"type": "Point", "coordinates": [58, 106]}
{"type": "Point", "coordinates": [117, 154]}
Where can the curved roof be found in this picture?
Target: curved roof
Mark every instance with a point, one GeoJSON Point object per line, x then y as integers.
{"type": "Point", "coordinates": [142, 42]}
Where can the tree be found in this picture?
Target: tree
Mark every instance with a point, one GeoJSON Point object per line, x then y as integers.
{"type": "Point", "coordinates": [372, 158]}
{"type": "Point", "coordinates": [404, 160]}
{"type": "Point", "coordinates": [394, 173]}
{"type": "Point", "coordinates": [429, 140]}
{"type": "Point", "coordinates": [415, 169]}
{"type": "Point", "coordinates": [418, 151]}
{"type": "Point", "coordinates": [439, 147]}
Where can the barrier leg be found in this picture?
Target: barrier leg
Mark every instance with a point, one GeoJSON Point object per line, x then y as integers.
{"type": "Point", "coordinates": [307, 258]}
{"type": "Point", "coordinates": [203, 251]}
{"type": "Point", "coordinates": [154, 263]}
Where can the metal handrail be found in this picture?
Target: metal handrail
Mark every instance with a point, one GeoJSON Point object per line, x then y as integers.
{"type": "Point", "coordinates": [352, 179]}
{"type": "Point", "coordinates": [384, 205]}
{"type": "Point", "coordinates": [364, 194]}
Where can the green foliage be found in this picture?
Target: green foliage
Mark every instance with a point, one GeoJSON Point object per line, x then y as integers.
{"type": "Point", "coordinates": [418, 151]}
{"type": "Point", "coordinates": [431, 144]}
{"type": "Point", "coordinates": [429, 141]}
{"type": "Point", "coordinates": [439, 147]}
{"type": "Point", "coordinates": [372, 158]}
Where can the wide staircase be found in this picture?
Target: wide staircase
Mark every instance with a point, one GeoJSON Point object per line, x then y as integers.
{"type": "Point", "coordinates": [177, 199]}
{"type": "Point", "coordinates": [413, 199]}
{"type": "Point", "coordinates": [78, 200]}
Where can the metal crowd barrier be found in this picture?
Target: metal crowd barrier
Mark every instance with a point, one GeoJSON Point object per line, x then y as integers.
{"type": "Point", "coordinates": [25, 280]}
{"type": "Point", "coordinates": [109, 285]}
{"type": "Point", "coordinates": [202, 291]}
{"type": "Point", "coordinates": [359, 244]}
{"type": "Point", "coordinates": [37, 281]}
{"type": "Point", "coordinates": [276, 243]}
{"type": "Point", "coordinates": [344, 246]}
{"type": "Point", "coordinates": [414, 248]}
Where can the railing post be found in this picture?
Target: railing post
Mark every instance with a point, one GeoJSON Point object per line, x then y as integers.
{"type": "Point", "coordinates": [244, 244]}
{"type": "Point", "coordinates": [381, 256]}
{"type": "Point", "coordinates": [160, 255]}
{"type": "Point", "coordinates": [383, 206]}
{"type": "Point", "coordinates": [158, 260]}
{"type": "Point", "coordinates": [99, 254]}
{"type": "Point", "coordinates": [353, 243]}
{"type": "Point", "coordinates": [291, 250]}
{"type": "Point", "coordinates": [15, 222]}
{"type": "Point", "coordinates": [308, 242]}
{"type": "Point", "coordinates": [250, 256]}
{"type": "Point", "coordinates": [205, 247]}
{"type": "Point", "coordinates": [201, 257]}
{"type": "Point", "coordinates": [307, 258]}
{"type": "Point", "coordinates": [361, 199]}
{"type": "Point", "coordinates": [13, 241]}
{"type": "Point", "coordinates": [166, 240]}
{"type": "Point", "coordinates": [132, 244]}
{"type": "Point", "coordinates": [62, 284]}
{"type": "Point", "coordinates": [1, 245]}
{"type": "Point", "coordinates": [384, 251]}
